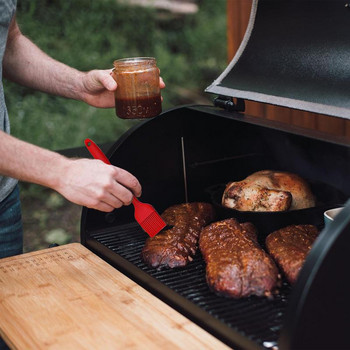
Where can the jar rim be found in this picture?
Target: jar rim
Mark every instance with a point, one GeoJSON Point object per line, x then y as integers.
{"type": "Point", "coordinates": [133, 60]}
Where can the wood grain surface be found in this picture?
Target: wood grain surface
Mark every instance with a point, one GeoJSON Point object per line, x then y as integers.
{"type": "Point", "coordinates": [68, 298]}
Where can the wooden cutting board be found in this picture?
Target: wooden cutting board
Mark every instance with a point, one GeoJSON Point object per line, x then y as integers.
{"type": "Point", "coordinates": [68, 298]}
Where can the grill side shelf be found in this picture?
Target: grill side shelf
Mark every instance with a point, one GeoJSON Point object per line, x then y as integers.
{"type": "Point", "coordinates": [252, 323]}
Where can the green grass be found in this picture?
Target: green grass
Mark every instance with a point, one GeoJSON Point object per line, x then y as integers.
{"type": "Point", "coordinates": [88, 34]}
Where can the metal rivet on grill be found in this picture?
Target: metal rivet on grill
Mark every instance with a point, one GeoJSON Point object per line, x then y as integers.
{"type": "Point", "coordinates": [110, 217]}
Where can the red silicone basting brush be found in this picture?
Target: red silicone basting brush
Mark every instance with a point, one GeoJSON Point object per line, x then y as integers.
{"type": "Point", "coordinates": [148, 218]}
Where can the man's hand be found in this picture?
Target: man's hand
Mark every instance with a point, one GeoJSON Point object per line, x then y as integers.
{"type": "Point", "coordinates": [98, 88]}
{"type": "Point", "coordinates": [97, 185]}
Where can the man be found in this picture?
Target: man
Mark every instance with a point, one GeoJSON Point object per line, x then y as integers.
{"type": "Point", "coordinates": [85, 182]}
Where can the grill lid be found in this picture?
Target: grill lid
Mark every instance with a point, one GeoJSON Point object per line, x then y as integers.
{"type": "Point", "coordinates": [295, 53]}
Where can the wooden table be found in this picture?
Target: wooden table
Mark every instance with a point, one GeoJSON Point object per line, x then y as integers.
{"type": "Point", "coordinates": [68, 298]}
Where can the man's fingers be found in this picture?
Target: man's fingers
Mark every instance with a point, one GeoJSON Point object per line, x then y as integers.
{"type": "Point", "coordinates": [128, 180]}
{"type": "Point", "coordinates": [106, 202]}
{"type": "Point", "coordinates": [102, 206]}
{"type": "Point", "coordinates": [119, 195]}
{"type": "Point", "coordinates": [106, 78]}
{"type": "Point", "coordinates": [161, 83]}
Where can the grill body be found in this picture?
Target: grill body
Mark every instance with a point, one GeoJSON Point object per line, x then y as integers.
{"type": "Point", "coordinates": [295, 54]}
{"type": "Point", "coordinates": [219, 146]}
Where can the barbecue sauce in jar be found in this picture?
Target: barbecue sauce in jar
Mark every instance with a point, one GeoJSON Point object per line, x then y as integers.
{"type": "Point", "coordinates": [138, 92]}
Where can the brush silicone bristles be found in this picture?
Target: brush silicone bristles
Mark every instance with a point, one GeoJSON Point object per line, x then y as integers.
{"type": "Point", "coordinates": [153, 224]}
{"type": "Point", "coordinates": [148, 218]}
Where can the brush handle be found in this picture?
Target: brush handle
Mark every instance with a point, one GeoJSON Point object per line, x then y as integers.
{"type": "Point", "coordinates": [136, 202]}
{"type": "Point", "coordinates": [96, 151]}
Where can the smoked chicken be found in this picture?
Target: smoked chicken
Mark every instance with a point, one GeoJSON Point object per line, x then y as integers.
{"type": "Point", "coordinates": [268, 190]}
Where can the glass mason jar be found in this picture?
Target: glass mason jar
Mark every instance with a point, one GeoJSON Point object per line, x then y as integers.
{"type": "Point", "coordinates": [138, 93]}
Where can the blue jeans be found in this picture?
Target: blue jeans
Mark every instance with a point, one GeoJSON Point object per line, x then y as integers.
{"type": "Point", "coordinates": [11, 232]}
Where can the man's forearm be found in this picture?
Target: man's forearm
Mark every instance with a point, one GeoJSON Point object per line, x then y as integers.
{"type": "Point", "coordinates": [30, 163]}
{"type": "Point", "coordinates": [26, 64]}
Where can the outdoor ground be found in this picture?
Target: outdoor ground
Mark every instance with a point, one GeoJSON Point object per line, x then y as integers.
{"type": "Point", "coordinates": [52, 220]}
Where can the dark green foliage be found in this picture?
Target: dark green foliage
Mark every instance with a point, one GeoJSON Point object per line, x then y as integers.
{"type": "Point", "coordinates": [89, 34]}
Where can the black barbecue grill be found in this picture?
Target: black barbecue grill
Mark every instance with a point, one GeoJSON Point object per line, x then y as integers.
{"type": "Point", "coordinates": [188, 151]}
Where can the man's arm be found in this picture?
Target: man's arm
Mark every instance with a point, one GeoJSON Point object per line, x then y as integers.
{"type": "Point", "coordinates": [87, 182]}
{"type": "Point", "coordinates": [25, 64]}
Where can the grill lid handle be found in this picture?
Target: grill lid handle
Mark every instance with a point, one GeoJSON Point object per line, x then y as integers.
{"type": "Point", "coordinates": [228, 104]}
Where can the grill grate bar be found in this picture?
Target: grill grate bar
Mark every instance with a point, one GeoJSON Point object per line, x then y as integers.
{"type": "Point", "coordinates": [258, 319]}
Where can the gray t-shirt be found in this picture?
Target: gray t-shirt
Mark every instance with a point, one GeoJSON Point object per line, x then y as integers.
{"type": "Point", "coordinates": [7, 11]}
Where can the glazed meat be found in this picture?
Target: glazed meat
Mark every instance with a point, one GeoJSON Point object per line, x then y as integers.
{"type": "Point", "coordinates": [236, 265]}
{"type": "Point", "coordinates": [268, 190]}
{"type": "Point", "coordinates": [289, 247]}
{"type": "Point", "coordinates": [176, 247]}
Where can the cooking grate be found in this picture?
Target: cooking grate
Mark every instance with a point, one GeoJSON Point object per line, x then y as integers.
{"type": "Point", "coordinates": [259, 319]}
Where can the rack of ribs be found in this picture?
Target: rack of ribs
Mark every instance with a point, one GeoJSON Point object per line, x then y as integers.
{"type": "Point", "coordinates": [176, 246]}
{"type": "Point", "coordinates": [236, 265]}
{"type": "Point", "coordinates": [289, 247]}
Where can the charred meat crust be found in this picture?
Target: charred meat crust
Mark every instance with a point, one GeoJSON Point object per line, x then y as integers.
{"type": "Point", "coordinates": [177, 246]}
{"type": "Point", "coordinates": [236, 265]}
{"type": "Point", "coordinates": [289, 247]}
